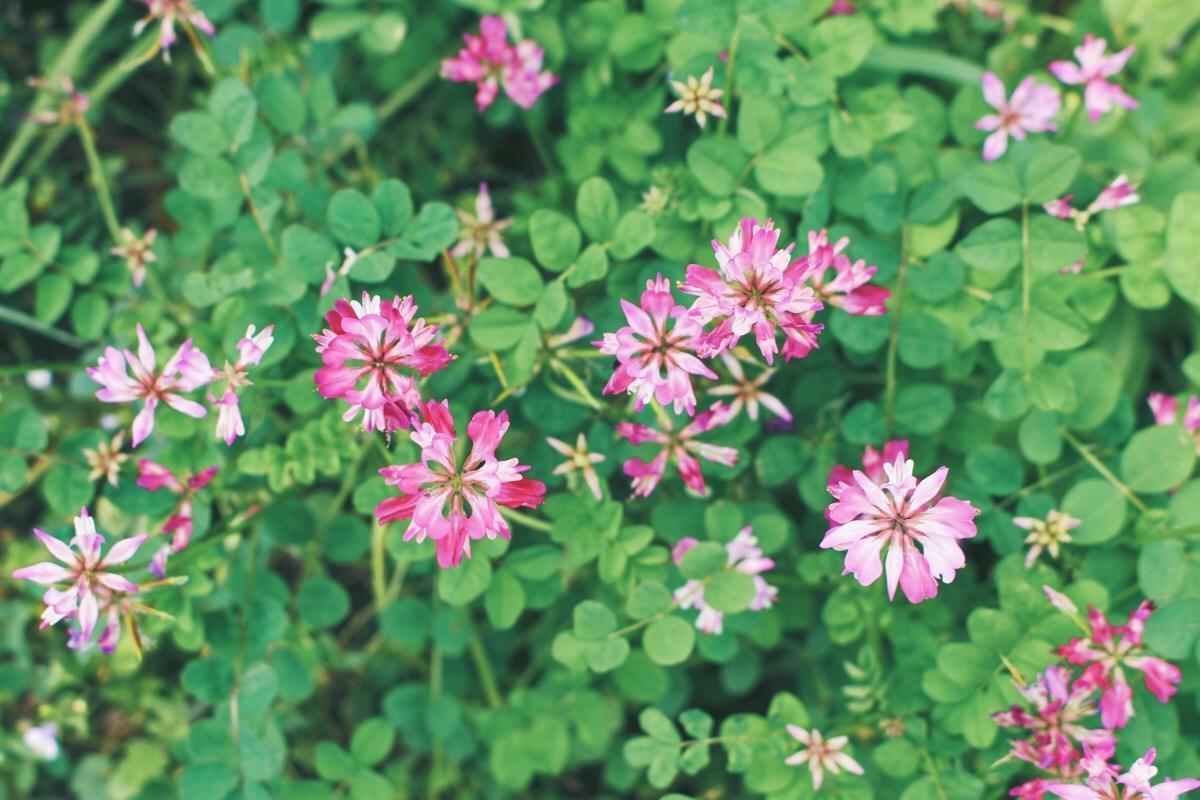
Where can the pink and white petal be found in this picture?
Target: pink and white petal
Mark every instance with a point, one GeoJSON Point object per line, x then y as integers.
{"type": "Point", "coordinates": [123, 550]}
{"type": "Point", "coordinates": [58, 548]}
{"type": "Point", "coordinates": [44, 573]}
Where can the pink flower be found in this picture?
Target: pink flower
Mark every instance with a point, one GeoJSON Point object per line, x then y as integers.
{"type": "Point", "coordinates": [1032, 110]}
{"type": "Point", "coordinates": [481, 233]}
{"type": "Point", "coordinates": [758, 289]}
{"type": "Point", "coordinates": [849, 287]}
{"type": "Point", "coordinates": [746, 557]}
{"type": "Point", "coordinates": [83, 579]}
{"type": "Point", "coordinates": [1030, 790]}
{"type": "Point", "coordinates": [1166, 411]}
{"type": "Point", "coordinates": [1102, 783]}
{"type": "Point", "coordinates": [364, 348]}
{"type": "Point", "coordinates": [697, 98]}
{"type": "Point", "coordinates": [580, 460]}
{"type": "Point", "coordinates": [349, 259]}
{"type": "Point", "coordinates": [1106, 651]}
{"type": "Point", "coordinates": [452, 503]}
{"type": "Point", "coordinates": [1061, 207]}
{"type": "Point", "coordinates": [179, 525]}
{"type": "Point", "coordinates": [42, 740]}
{"type": "Point", "coordinates": [490, 62]}
{"type": "Point", "coordinates": [188, 369]}
{"type": "Point", "coordinates": [72, 105]}
{"type": "Point", "coordinates": [1058, 708]}
{"type": "Point", "coordinates": [1093, 70]}
{"type": "Point", "coordinates": [656, 362]}
{"type": "Point", "coordinates": [168, 13]}
{"type": "Point", "coordinates": [1117, 194]}
{"type": "Point", "coordinates": [581, 327]}
{"type": "Point", "coordinates": [840, 8]}
{"type": "Point", "coordinates": [251, 348]}
{"type": "Point", "coordinates": [821, 755]}
{"type": "Point", "coordinates": [748, 393]}
{"type": "Point", "coordinates": [900, 513]}
{"type": "Point", "coordinates": [137, 252]}
{"type": "Point", "coordinates": [841, 478]}
{"type": "Point", "coordinates": [680, 446]}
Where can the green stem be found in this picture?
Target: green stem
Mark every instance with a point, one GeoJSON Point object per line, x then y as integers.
{"type": "Point", "coordinates": [1097, 465]}
{"type": "Point", "coordinates": [889, 379]}
{"type": "Point", "coordinates": [435, 693]}
{"type": "Point", "coordinates": [23, 320]}
{"type": "Point", "coordinates": [487, 680]}
{"type": "Point", "coordinates": [88, 140]}
{"type": "Point", "coordinates": [723, 123]}
{"type": "Point", "coordinates": [923, 61]}
{"type": "Point", "coordinates": [76, 47]}
{"type": "Point", "coordinates": [259, 221]}
{"type": "Point", "coordinates": [407, 91]}
{"type": "Point", "coordinates": [526, 520]}
{"type": "Point", "coordinates": [1026, 291]}
{"type": "Point", "coordinates": [379, 565]}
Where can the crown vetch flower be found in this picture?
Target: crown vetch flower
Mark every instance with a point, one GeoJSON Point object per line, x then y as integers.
{"type": "Point", "coordinates": [1106, 651]}
{"type": "Point", "coordinates": [821, 754]}
{"type": "Point", "coordinates": [452, 502]}
{"type": "Point", "coordinates": [491, 63]}
{"type": "Point", "coordinates": [1031, 110]}
{"type": "Point", "coordinates": [1166, 410]}
{"type": "Point", "coordinates": [137, 252]}
{"type": "Point", "coordinates": [1046, 534]}
{"type": "Point", "coordinates": [1093, 70]}
{"type": "Point", "coordinates": [748, 393]}
{"type": "Point", "coordinates": [364, 348]}
{"type": "Point", "coordinates": [758, 289]}
{"type": "Point", "coordinates": [72, 104]}
{"type": "Point", "coordinates": [900, 513]}
{"type": "Point", "coordinates": [106, 460]}
{"type": "Point", "coordinates": [656, 362]}
{"type": "Point", "coordinates": [179, 525]}
{"type": "Point", "coordinates": [169, 13]}
{"type": "Point", "coordinates": [481, 233]}
{"type": "Point", "coordinates": [1054, 723]}
{"type": "Point", "coordinates": [1104, 782]}
{"type": "Point", "coordinates": [251, 348]}
{"type": "Point", "coordinates": [849, 288]}
{"type": "Point", "coordinates": [680, 446]}
{"type": "Point", "coordinates": [83, 577]}
{"type": "Point", "coordinates": [42, 740]}
{"type": "Point", "coordinates": [1117, 194]}
{"type": "Point", "coordinates": [697, 98]}
{"type": "Point", "coordinates": [188, 369]}
{"type": "Point", "coordinates": [579, 460]}
{"type": "Point", "coordinates": [841, 477]}
{"type": "Point", "coordinates": [744, 556]}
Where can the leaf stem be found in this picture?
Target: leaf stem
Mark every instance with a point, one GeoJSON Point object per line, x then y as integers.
{"type": "Point", "coordinates": [487, 680]}
{"type": "Point", "coordinates": [1026, 289]}
{"type": "Point", "coordinates": [525, 519]}
{"type": "Point", "coordinates": [889, 380]}
{"type": "Point", "coordinates": [22, 320]}
{"type": "Point", "coordinates": [88, 140]}
{"type": "Point", "coordinates": [1097, 465]}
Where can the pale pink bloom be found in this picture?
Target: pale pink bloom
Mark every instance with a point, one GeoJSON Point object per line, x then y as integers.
{"type": "Point", "coordinates": [481, 233]}
{"type": "Point", "coordinates": [1055, 722]}
{"type": "Point", "coordinates": [840, 8]}
{"type": "Point", "coordinates": [349, 259]}
{"type": "Point", "coordinates": [745, 556]}
{"type": "Point", "coordinates": [1031, 110]}
{"type": "Point", "coordinates": [81, 576]}
{"type": "Point", "coordinates": [581, 327]}
{"type": "Point", "coordinates": [759, 290]}
{"type": "Point", "coordinates": [580, 460]}
{"type": "Point", "coordinates": [821, 755]}
{"type": "Point", "coordinates": [1104, 783]}
{"type": "Point", "coordinates": [1046, 534]}
{"type": "Point", "coordinates": [491, 63]}
{"type": "Point", "coordinates": [106, 460]}
{"type": "Point", "coordinates": [656, 351]}
{"type": "Point", "coordinates": [848, 285]}
{"type": "Point", "coordinates": [1030, 790]}
{"type": "Point", "coordinates": [1074, 268]}
{"type": "Point", "coordinates": [452, 502]}
{"type": "Point", "coordinates": [697, 98]}
{"type": "Point", "coordinates": [188, 369]}
{"type": "Point", "coordinates": [680, 446]}
{"type": "Point", "coordinates": [364, 348]}
{"type": "Point", "coordinates": [1106, 652]}
{"type": "Point", "coordinates": [72, 104]}
{"type": "Point", "coordinates": [137, 252]}
{"type": "Point", "coordinates": [251, 348]}
{"type": "Point", "coordinates": [841, 477]}
{"type": "Point", "coordinates": [180, 524]}
{"type": "Point", "coordinates": [1060, 601]}
{"type": "Point", "coordinates": [1117, 194]}
{"type": "Point", "coordinates": [1061, 207]}
{"type": "Point", "coordinates": [748, 393]}
{"type": "Point", "coordinates": [169, 13]}
{"type": "Point", "coordinates": [42, 740]}
{"type": "Point", "coordinates": [1093, 70]}
{"type": "Point", "coordinates": [900, 514]}
{"type": "Point", "coordinates": [1166, 412]}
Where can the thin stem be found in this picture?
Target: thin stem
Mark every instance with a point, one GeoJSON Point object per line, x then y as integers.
{"type": "Point", "coordinates": [1097, 465]}
{"type": "Point", "coordinates": [435, 693]}
{"type": "Point", "coordinates": [1026, 290]}
{"type": "Point", "coordinates": [88, 140]}
{"type": "Point", "coordinates": [22, 320]}
{"type": "Point", "coordinates": [723, 124]}
{"type": "Point", "coordinates": [487, 679]}
{"type": "Point", "coordinates": [255, 212]}
{"type": "Point", "coordinates": [526, 520]}
{"type": "Point", "coordinates": [379, 565]}
{"type": "Point", "coordinates": [407, 91]}
{"type": "Point", "coordinates": [889, 380]}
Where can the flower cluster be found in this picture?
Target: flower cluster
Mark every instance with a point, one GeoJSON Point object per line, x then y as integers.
{"type": "Point", "coordinates": [745, 556]}
{"type": "Point", "coordinates": [491, 63]}
{"type": "Point", "coordinates": [453, 501]}
{"type": "Point", "coordinates": [1091, 69]}
{"type": "Point", "coordinates": [680, 446]}
{"type": "Point", "coordinates": [138, 252]}
{"type": "Point", "coordinates": [179, 525]}
{"type": "Point", "coordinates": [899, 513]}
{"type": "Point", "coordinates": [364, 350]}
{"type": "Point", "coordinates": [168, 14]}
{"type": "Point", "coordinates": [82, 586]}
{"type": "Point", "coordinates": [1105, 781]}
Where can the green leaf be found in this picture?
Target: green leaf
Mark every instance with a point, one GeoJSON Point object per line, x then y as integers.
{"type": "Point", "coordinates": [1049, 173]}
{"type": "Point", "coordinates": [647, 599]}
{"type": "Point", "coordinates": [924, 342]}
{"type": "Point", "coordinates": [669, 641]}
{"type": "Point", "coordinates": [658, 725]}
{"type": "Point", "coordinates": [1158, 458]}
{"type": "Point", "coordinates": [200, 132]}
{"type": "Point", "coordinates": [635, 232]}
{"type": "Point", "coordinates": [593, 620]}
{"type": "Point", "coordinates": [994, 246]}
{"type": "Point", "coordinates": [67, 489]}
{"type": "Point", "coordinates": [464, 583]}
{"type": "Point", "coordinates": [702, 560]}
{"type": "Point", "coordinates": [394, 203]}
{"type": "Point", "coordinates": [729, 591]}
{"type": "Point", "coordinates": [353, 219]}
{"type": "Point", "coordinates": [372, 741]}
{"type": "Point", "coordinates": [840, 44]}
{"type": "Point", "coordinates": [789, 168]}
{"type": "Point", "coordinates": [322, 602]}
{"type": "Point", "coordinates": [596, 208]}
{"type": "Point", "coordinates": [1173, 628]}
{"type": "Point", "coordinates": [498, 328]}
{"type": "Point", "coordinates": [1183, 243]}
{"type": "Point", "coordinates": [591, 266]}
{"type": "Point", "coordinates": [332, 762]}
{"type": "Point", "coordinates": [512, 281]}
{"type": "Point", "coordinates": [234, 108]}
{"type": "Point", "coordinates": [716, 164]}
{"type": "Point", "coordinates": [406, 622]}
{"type": "Point", "coordinates": [504, 600]}
{"type": "Point", "coordinates": [24, 429]}
{"type": "Point", "coordinates": [555, 239]}
{"type": "Point", "coordinates": [758, 123]}
{"type": "Point", "coordinates": [1100, 509]}
{"type": "Point", "coordinates": [992, 186]}
{"type": "Point", "coordinates": [207, 782]}
{"type": "Point", "coordinates": [332, 24]}
{"type": "Point", "coordinates": [208, 679]}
